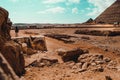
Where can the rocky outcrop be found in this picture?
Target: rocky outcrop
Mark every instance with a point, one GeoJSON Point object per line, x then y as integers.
{"type": "Point", "coordinates": [6, 72]}
{"type": "Point", "coordinates": [9, 49]}
{"type": "Point", "coordinates": [4, 26]}
{"type": "Point", "coordinates": [12, 52]}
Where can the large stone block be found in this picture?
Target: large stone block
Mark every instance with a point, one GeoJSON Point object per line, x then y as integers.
{"type": "Point", "coordinates": [70, 55]}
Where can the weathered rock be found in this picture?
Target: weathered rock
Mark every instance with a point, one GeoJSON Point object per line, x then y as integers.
{"type": "Point", "coordinates": [70, 55]}
{"type": "Point", "coordinates": [79, 65]}
{"type": "Point", "coordinates": [100, 62]}
{"type": "Point", "coordinates": [39, 44]}
{"type": "Point", "coordinates": [93, 64]}
{"type": "Point", "coordinates": [112, 65]}
{"type": "Point", "coordinates": [49, 61]}
{"type": "Point", "coordinates": [85, 65]}
{"type": "Point", "coordinates": [107, 59]}
{"type": "Point", "coordinates": [36, 42]}
{"type": "Point", "coordinates": [4, 26]}
{"type": "Point", "coordinates": [96, 62]}
{"type": "Point", "coordinates": [6, 72]}
{"type": "Point", "coordinates": [82, 70]}
{"type": "Point", "coordinates": [84, 58]}
{"type": "Point", "coordinates": [12, 52]}
{"type": "Point", "coordinates": [70, 64]}
{"type": "Point", "coordinates": [9, 49]}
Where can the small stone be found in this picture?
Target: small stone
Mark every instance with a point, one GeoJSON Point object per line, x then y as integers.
{"type": "Point", "coordinates": [85, 65]}
{"type": "Point", "coordinates": [93, 64]}
{"type": "Point", "coordinates": [98, 69]}
{"type": "Point", "coordinates": [108, 78]}
{"type": "Point", "coordinates": [74, 67]}
{"type": "Point", "coordinates": [79, 65]}
{"type": "Point", "coordinates": [99, 56]}
{"type": "Point", "coordinates": [107, 59]}
{"type": "Point", "coordinates": [70, 63]}
{"type": "Point", "coordinates": [99, 62]}
{"type": "Point", "coordinates": [82, 70]}
{"type": "Point", "coordinates": [42, 64]}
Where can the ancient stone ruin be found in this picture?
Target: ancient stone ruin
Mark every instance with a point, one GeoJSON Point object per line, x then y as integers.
{"type": "Point", "coordinates": [111, 15]}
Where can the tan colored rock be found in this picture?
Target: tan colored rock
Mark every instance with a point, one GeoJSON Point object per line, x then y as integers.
{"type": "Point", "coordinates": [70, 55]}
{"type": "Point", "coordinates": [35, 43]}
{"type": "Point", "coordinates": [39, 43]}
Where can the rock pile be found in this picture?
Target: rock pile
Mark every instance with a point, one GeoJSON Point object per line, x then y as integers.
{"type": "Point", "coordinates": [81, 60]}
{"type": "Point", "coordinates": [96, 62]}
{"type": "Point", "coordinates": [8, 48]}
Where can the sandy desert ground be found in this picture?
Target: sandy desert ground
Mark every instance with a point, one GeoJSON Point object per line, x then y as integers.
{"type": "Point", "coordinates": [109, 47]}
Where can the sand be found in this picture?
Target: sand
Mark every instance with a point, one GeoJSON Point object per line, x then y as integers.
{"type": "Point", "coordinates": [95, 45]}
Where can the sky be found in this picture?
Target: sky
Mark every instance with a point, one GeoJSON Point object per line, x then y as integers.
{"type": "Point", "coordinates": [54, 11]}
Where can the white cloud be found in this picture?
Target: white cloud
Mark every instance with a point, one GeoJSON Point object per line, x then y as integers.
{"type": "Point", "coordinates": [100, 6]}
{"type": "Point", "coordinates": [53, 1]}
{"type": "Point", "coordinates": [14, 0]}
{"type": "Point", "coordinates": [74, 1]}
{"type": "Point", "coordinates": [69, 2]}
{"type": "Point", "coordinates": [53, 10]}
{"type": "Point", "coordinates": [88, 8]}
{"type": "Point", "coordinates": [61, 1]}
{"type": "Point", "coordinates": [75, 10]}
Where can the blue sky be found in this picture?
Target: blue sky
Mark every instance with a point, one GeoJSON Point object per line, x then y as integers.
{"type": "Point", "coordinates": [54, 11]}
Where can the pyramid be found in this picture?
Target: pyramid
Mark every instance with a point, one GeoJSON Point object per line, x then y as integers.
{"type": "Point", "coordinates": [111, 15]}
